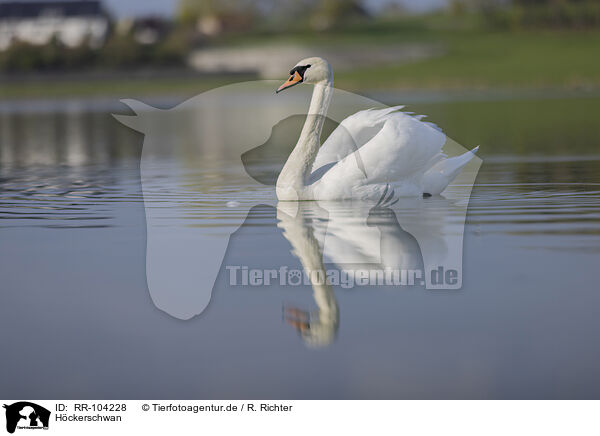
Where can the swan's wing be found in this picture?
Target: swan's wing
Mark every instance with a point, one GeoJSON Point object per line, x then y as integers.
{"type": "Point", "coordinates": [399, 154]}
{"type": "Point", "coordinates": [351, 134]}
{"type": "Point", "coordinates": [348, 240]}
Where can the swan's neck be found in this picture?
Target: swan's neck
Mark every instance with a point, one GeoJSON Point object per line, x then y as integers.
{"type": "Point", "coordinates": [296, 171]}
{"type": "Point", "coordinates": [305, 246]}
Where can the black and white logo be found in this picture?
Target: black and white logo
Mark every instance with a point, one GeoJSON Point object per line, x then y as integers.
{"type": "Point", "coordinates": [26, 415]}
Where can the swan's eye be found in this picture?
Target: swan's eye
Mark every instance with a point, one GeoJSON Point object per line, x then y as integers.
{"type": "Point", "coordinates": [296, 76]}
{"type": "Point", "coordinates": [300, 69]}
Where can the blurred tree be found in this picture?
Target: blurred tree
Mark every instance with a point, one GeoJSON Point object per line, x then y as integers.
{"type": "Point", "coordinates": [392, 8]}
{"type": "Point", "coordinates": [285, 11]}
{"type": "Point", "coordinates": [333, 13]}
{"type": "Point", "coordinates": [122, 51]}
{"type": "Point", "coordinates": [212, 17]}
{"type": "Point", "coordinates": [173, 50]}
{"type": "Point", "coordinates": [20, 56]}
{"type": "Point", "coordinates": [518, 14]}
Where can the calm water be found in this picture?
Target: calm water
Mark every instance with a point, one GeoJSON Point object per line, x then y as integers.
{"type": "Point", "coordinates": [78, 320]}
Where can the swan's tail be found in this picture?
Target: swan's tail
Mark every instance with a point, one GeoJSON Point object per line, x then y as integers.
{"type": "Point", "coordinates": [439, 176]}
{"type": "Point", "coordinates": [454, 165]}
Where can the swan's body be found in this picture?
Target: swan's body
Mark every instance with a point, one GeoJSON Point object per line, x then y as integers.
{"type": "Point", "coordinates": [368, 153]}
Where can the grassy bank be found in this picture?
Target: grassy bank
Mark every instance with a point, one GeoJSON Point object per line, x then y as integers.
{"type": "Point", "coordinates": [118, 87]}
{"type": "Point", "coordinates": [470, 57]}
{"type": "Point", "coordinates": [493, 59]}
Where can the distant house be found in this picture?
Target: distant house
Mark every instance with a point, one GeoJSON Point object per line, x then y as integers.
{"type": "Point", "coordinates": [36, 22]}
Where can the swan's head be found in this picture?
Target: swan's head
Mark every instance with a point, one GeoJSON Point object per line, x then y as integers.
{"type": "Point", "coordinates": [317, 330]}
{"type": "Point", "coordinates": [310, 70]}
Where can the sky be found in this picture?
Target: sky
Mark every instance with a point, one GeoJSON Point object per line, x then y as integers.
{"type": "Point", "coordinates": [128, 8]}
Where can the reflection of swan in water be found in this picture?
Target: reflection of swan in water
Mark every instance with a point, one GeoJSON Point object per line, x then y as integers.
{"type": "Point", "coordinates": [304, 225]}
{"type": "Point", "coordinates": [362, 235]}
{"type": "Point", "coordinates": [367, 152]}
{"type": "Point", "coordinates": [315, 329]}
{"type": "Point", "coordinates": [413, 234]}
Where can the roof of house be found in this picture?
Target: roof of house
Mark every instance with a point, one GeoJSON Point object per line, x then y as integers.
{"type": "Point", "coordinates": [67, 8]}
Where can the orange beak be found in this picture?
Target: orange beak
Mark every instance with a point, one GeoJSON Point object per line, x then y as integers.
{"type": "Point", "coordinates": [299, 319]}
{"type": "Point", "coordinates": [293, 80]}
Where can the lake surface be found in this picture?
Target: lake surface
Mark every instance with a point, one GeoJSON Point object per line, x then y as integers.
{"type": "Point", "coordinates": [78, 319]}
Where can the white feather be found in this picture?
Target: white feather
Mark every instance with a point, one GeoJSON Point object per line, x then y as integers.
{"type": "Point", "coordinates": [369, 152]}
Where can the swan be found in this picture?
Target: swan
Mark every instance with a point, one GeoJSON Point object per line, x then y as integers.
{"type": "Point", "coordinates": [372, 154]}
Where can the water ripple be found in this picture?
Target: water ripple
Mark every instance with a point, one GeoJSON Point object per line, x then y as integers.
{"type": "Point", "coordinates": [93, 197]}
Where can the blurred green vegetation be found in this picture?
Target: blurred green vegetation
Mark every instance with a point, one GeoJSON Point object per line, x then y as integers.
{"type": "Point", "coordinates": [114, 87]}
{"type": "Point", "coordinates": [119, 52]}
{"type": "Point", "coordinates": [479, 44]}
{"type": "Point", "coordinates": [523, 126]}
{"type": "Point", "coordinates": [556, 14]}
{"type": "Point", "coordinates": [477, 58]}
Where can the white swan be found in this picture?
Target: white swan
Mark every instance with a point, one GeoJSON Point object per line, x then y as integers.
{"type": "Point", "coordinates": [368, 153]}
